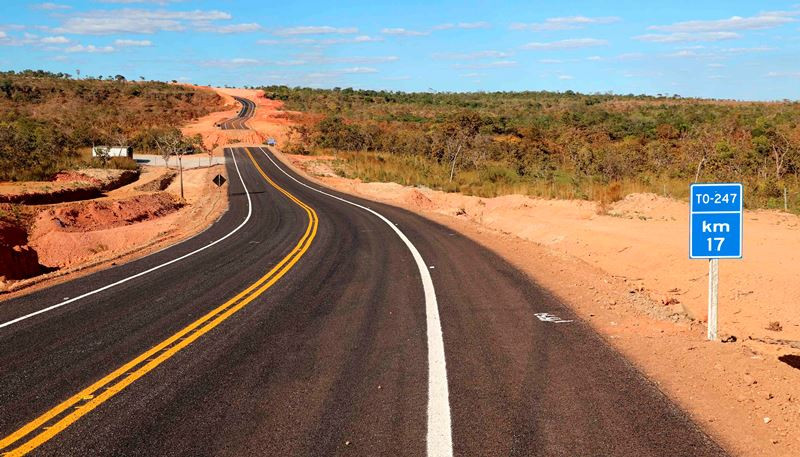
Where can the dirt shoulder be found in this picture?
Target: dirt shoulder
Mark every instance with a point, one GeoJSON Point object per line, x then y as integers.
{"type": "Point", "coordinates": [627, 273]}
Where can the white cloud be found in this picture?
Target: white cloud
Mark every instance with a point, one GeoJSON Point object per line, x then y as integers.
{"type": "Point", "coordinates": [357, 59]}
{"type": "Point", "coordinates": [316, 59]}
{"type": "Point", "coordinates": [683, 37]}
{"type": "Point", "coordinates": [321, 41]}
{"type": "Point", "coordinates": [92, 49]}
{"type": "Point", "coordinates": [573, 43]}
{"type": "Point", "coordinates": [54, 40]}
{"type": "Point", "coordinates": [403, 32]}
{"type": "Point", "coordinates": [51, 6]}
{"type": "Point", "coordinates": [473, 25]}
{"type": "Point", "coordinates": [629, 56]}
{"type": "Point", "coordinates": [758, 22]}
{"type": "Point", "coordinates": [447, 26]}
{"type": "Point", "coordinates": [748, 50]}
{"type": "Point", "coordinates": [495, 64]}
{"type": "Point", "coordinates": [230, 28]}
{"type": "Point", "coordinates": [358, 70]}
{"type": "Point", "coordinates": [134, 43]}
{"type": "Point", "coordinates": [473, 55]}
{"type": "Point", "coordinates": [315, 30]}
{"type": "Point", "coordinates": [30, 39]}
{"type": "Point", "coordinates": [564, 23]}
{"type": "Point", "coordinates": [106, 22]}
{"type": "Point", "coordinates": [684, 53]}
{"type": "Point", "coordinates": [565, 77]}
{"type": "Point", "coordinates": [784, 74]}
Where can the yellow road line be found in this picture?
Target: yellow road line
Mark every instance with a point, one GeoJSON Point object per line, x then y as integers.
{"type": "Point", "coordinates": [89, 398]}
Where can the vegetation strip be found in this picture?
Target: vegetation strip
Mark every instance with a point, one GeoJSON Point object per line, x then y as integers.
{"type": "Point", "coordinates": [553, 145]}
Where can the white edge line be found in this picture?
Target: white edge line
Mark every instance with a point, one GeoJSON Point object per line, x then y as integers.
{"type": "Point", "coordinates": [157, 267]}
{"type": "Point", "coordinates": [439, 439]}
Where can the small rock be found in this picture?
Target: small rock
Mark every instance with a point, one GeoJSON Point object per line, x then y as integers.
{"type": "Point", "coordinates": [347, 443]}
{"type": "Point", "coordinates": [666, 301]}
{"type": "Point", "coordinates": [767, 420]}
{"type": "Point", "coordinates": [749, 380]}
{"type": "Point", "coordinates": [770, 396]}
{"type": "Point", "coordinates": [775, 326]}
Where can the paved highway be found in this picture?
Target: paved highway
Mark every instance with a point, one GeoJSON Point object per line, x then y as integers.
{"type": "Point", "coordinates": [306, 322]}
{"type": "Point", "coordinates": [239, 122]}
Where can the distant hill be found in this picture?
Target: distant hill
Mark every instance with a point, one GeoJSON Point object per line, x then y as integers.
{"type": "Point", "coordinates": [45, 118]}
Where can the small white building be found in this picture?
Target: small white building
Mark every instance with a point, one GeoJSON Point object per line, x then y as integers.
{"type": "Point", "coordinates": [125, 151]}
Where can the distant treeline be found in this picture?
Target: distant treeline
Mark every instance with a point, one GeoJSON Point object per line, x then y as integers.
{"type": "Point", "coordinates": [463, 141]}
{"type": "Point", "coordinates": [45, 118]}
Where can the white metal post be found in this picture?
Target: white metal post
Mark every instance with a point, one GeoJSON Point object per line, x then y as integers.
{"type": "Point", "coordinates": [713, 286]}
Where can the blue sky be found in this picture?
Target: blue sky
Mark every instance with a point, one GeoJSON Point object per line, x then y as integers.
{"type": "Point", "coordinates": [707, 48]}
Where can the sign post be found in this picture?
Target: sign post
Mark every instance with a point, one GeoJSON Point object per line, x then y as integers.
{"type": "Point", "coordinates": [715, 232]}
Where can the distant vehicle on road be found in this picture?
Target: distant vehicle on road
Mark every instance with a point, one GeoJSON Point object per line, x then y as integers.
{"type": "Point", "coordinates": [271, 142]}
{"type": "Point", "coordinates": [125, 151]}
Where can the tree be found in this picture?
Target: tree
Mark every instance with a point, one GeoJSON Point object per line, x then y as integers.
{"type": "Point", "coordinates": [459, 133]}
{"type": "Point", "coordinates": [103, 153]}
{"type": "Point", "coordinates": [209, 150]}
{"type": "Point", "coordinates": [173, 143]}
{"type": "Point", "coordinates": [784, 144]}
{"type": "Point", "coordinates": [6, 86]}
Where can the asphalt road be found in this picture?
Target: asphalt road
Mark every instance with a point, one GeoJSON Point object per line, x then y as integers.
{"type": "Point", "coordinates": [239, 122]}
{"type": "Point", "coordinates": [309, 331]}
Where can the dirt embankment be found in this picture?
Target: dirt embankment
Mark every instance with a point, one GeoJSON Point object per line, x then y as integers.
{"type": "Point", "coordinates": [17, 259]}
{"type": "Point", "coordinates": [56, 241]}
{"type": "Point", "coordinates": [67, 186]}
{"type": "Point", "coordinates": [627, 273]}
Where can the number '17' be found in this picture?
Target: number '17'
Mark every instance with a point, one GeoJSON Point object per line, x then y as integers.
{"type": "Point", "coordinates": [719, 242]}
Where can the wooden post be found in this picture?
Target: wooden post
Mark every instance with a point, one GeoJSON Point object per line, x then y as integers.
{"type": "Point", "coordinates": [785, 200]}
{"type": "Point", "coordinates": [180, 164]}
{"type": "Point", "coordinates": [713, 287]}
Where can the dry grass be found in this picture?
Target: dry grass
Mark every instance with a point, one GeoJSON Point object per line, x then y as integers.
{"type": "Point", "coordinates": [495, 180]}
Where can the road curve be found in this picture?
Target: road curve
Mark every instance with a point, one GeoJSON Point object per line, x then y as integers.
{"type": "Point", "coordinates": [311, 337]}
{"type": "Point", "coordinates": [239, 122]}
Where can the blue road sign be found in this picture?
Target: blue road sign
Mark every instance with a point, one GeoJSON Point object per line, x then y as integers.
{"type": "Point", "coordinates": [715, 221]}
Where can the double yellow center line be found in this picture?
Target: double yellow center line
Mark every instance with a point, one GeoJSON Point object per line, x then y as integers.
{"type": "Point", "coordinates": [52, 422]}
